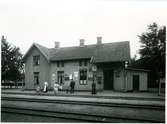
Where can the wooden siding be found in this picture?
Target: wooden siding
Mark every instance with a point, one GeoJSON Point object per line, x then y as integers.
{"type": "Point", "coordinates": [69, 68]}
{"type": "Point", "coordinates": [119, 80]}
{"type": "Point", "coordinates": [142, 80]}
{"type": "Point", "coordinates": [42, 68]}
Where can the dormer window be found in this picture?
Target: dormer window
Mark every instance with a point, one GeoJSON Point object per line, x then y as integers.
{"type": "Point", "coordinates": [36, 60]}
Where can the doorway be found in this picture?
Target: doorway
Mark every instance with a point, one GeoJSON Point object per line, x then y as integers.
{"type": "Point", "coordinates": [60, 77]}
{"type": "Point", "coordinates": [135, 82]}
{"type": "Point", "coordinates": [108, 79]}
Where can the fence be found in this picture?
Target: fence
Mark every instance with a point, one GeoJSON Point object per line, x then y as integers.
{"type": "Point", "coordinates": [12, 85]}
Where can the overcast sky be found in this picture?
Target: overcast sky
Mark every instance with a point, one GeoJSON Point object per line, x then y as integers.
{"type": "Point", "coordinates": [46, 21]}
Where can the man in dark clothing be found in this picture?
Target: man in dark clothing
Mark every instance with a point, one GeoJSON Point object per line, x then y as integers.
{"type": "Point", "coordinates": [72, 85]}
{"type": "Point", "coordinates": [93, 88]}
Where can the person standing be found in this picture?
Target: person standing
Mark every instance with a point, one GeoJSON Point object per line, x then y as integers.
{"type": "Point", "coordinates": [93, 88]}
{"type": "Point", "coordinates": [56, 88]}
{"type": "Point", "coordinates": [72, 85]}
{"type": "Point", "coordinates": [68, 86]}
{"type": "Point", "coordinates": [45, 87]}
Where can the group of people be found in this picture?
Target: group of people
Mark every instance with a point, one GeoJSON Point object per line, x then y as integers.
{"type": "Point", "coordinates": [45, 88]}
{"type": "Point", "coordinates": [69, 87]}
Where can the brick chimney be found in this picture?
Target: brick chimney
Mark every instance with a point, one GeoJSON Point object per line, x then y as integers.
{"type": "Point", "coordinates": [57, 44]}
{"type": "Point", "coordinates": [82, 41]}
{"type": "Point", "coordinates": [99, 40]}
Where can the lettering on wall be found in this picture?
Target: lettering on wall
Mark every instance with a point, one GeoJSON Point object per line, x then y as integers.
{"type": "Point", "coordinates": [76, 75]}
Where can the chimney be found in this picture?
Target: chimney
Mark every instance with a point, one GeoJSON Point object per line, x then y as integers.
{"type": "Point", "coordinates": [3, 38]}
{"type": "Point", "coordinates": [82, 42]}
{"type": "Point", "coordinates": [57, 44]}
{"type": "Point", "coordinates": [99, 40]}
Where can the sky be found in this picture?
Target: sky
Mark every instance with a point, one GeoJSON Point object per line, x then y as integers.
{"type": "Point", "coordinates": [24, 22]}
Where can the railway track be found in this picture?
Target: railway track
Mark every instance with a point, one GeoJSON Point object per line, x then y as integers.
{"type": "Point", "coordinates": [80, 117]}
{"type": "Point", "coordinates": [11, 104]}
{"type": "Point", "coordinates": [123, 105]}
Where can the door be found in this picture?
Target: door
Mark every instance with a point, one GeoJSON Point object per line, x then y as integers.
{"type": "Point", "coordinates": [60, 77]}
{"type": "Point", "coordinates": [135, 82]}
{"type": "Point", "coordinates": [36, 79]}
{"type": "Point", "coordinates": [108, 79]}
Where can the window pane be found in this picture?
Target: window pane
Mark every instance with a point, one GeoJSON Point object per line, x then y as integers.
{"type": "Point", "coordinates": [60, 78]}
{"type": "Point", "coordinates": [80, 63]}
{"type": "Point", "coordinates": [36, 60]}
{"type": "Point", "coordinates": [83, 76]}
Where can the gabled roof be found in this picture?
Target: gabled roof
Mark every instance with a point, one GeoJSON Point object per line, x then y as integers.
{"type": "Point", "coordinates": [45, 51]}
{"type": "Point", "coordinates": [107, 52]}
{"type": "Point", "coordinates": [117, 51]}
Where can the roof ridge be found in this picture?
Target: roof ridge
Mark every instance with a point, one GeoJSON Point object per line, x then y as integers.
{"type": "Point", "coordinates": [44, 50]}
{"type": "Point", "coordinates": [40, 45]}
{"type": "Point", "coordinates": [90, 45]}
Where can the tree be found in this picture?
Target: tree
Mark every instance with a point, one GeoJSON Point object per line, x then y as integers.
{"type": "Point", "coordinates": [153, 46]}
{"type": "Point", "coordinates": [153, 50]}
{"type": "Point", "coordinates": [12, 64]}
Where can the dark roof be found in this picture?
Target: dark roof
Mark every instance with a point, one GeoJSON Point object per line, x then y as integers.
{"type": "Point", "coordinates": [45, 51]}
{"type": "Point", "coordinates": [137, 69]}
{"type": "Point", "coordinates": [107, 52]}
{"type": "Point", "coordinates": [71, 53]}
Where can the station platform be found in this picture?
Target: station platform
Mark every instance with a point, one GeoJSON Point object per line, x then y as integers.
{"type": "Point", "coordinates": [101, 94]}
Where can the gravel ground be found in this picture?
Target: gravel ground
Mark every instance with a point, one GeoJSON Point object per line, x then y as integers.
{"type": "Point", "coordinates": [10, 117]}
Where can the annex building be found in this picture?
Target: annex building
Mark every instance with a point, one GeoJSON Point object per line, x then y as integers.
{"type": "Point", "coordinates": [106, 64]}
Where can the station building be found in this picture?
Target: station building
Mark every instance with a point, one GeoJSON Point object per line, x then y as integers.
{"type": "Point", "coordinates": [106, 64]}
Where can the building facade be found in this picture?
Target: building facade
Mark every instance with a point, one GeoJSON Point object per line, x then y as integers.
{"type": "Point", "coordinates": [101, 63]}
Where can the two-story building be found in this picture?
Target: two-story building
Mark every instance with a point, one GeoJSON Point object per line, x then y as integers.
{"type": "Point", "coordinates": [102, 63]}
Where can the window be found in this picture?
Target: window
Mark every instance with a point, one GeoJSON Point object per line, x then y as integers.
{"type": "Point", "coordinates": [60, 64]}
{"type": "Point", "coordinates": [60, 77]}
{"type": "Point", "coordinates": [117, 74]}
{"type": "Point", "coordinates": [80, 63]}
{"type": "Point", "coordinates": [83, 77]}
{"type": "Point", "coordinates": [85, 63]}
{"type": "Point", "coordinates": [36, 60]}
{"type": "Point", "coordinates": [36, 78]}
{"type": "Point", "coordinates": [57, 64]}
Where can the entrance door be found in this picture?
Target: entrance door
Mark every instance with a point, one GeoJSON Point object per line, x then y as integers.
{"type": "Point", "coordinates": [108, 79]}
{"type": "Point", "coordinates": [36, 78]}
{"type": "Point", "coordinates": [136, 82]}
{"type": "Point", "coordinates": [60, 77]}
